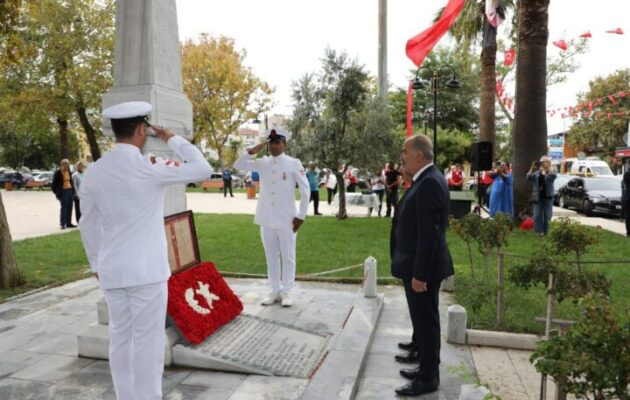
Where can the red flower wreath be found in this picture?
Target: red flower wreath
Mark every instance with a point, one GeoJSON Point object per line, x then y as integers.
{"type": "Point", "coordinates": [200, 302]}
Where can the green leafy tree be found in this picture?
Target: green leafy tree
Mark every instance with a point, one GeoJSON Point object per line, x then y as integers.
{"type": "Point", "coordinates": [339, 118]}
{"type": "Point", "coordinates": [457, 109]}
{"type": "Point", "coordinates": [592, 361]}
{"type": "Point", "coordinates": [596, 129]}
{"type": "Point", "coordinates": [224, 92]}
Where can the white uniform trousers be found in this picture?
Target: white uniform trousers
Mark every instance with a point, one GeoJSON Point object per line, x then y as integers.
{"type": "Point", "coordinates": [279, 247]}
{"type": "Point", "coordinates": [137, 317]}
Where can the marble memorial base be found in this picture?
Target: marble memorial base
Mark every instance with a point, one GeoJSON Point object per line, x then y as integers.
{"type": "Point", "coordinates": [320, 344]}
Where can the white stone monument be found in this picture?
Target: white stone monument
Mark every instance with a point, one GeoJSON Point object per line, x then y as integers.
{"type": "Point", "coordinates": [148, 68]}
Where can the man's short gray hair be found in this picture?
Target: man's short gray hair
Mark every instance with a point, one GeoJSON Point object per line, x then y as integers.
{"type": "Point", "coordinates": [422, 144]}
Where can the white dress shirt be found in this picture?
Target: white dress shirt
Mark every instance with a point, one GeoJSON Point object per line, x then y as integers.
{"type": "Point", "coordinates": [122, 207]}
{"type": "Point", "coordinates": [278, 177]}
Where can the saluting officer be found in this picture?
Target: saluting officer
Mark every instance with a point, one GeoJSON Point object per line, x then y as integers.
{"type": "Point", "coordinates": [276, 211]}
{"type": "Point", "coordinates": [122, 228]}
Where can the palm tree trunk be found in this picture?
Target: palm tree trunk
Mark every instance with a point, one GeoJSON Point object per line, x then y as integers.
{"type": "Point", "coordinates": [10, 275]}
{"type": "Point", "coordinates": [486, 103]}
{"type": "Point", "coordinates": [530, 124]}
{"type": "Point", "coordinates": [90, 133]}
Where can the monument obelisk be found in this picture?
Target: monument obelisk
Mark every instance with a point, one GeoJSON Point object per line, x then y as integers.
{"type": "Point", "coordinates": [148, 68]}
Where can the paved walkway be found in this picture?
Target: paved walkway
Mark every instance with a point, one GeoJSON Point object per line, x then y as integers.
{"type": "Point", "coordinates": [38, 348]}
{"type": "Point", "coordinates": [507, 372]}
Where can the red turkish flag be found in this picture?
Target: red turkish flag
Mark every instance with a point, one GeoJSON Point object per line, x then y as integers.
{"type": "Point", "coordinates": [586, 34]}
{"type": "Point", "coordinates": [617, 31]}
{"type": "Point", "coordinates": [200, 302]}
{"type": "Point", "coordinates": [420, 45]}
{"type": "Point", "coordinates": [560, 44]}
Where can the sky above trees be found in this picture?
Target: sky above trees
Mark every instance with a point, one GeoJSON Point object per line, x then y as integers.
{"type": "Point", "coordinates": [285, 38]}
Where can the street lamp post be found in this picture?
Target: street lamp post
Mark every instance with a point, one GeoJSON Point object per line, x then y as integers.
{"type": "Point", "coordinates": [436, 85]}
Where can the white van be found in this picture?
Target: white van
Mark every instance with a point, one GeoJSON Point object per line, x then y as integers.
{"type": "Point", "coordinates": [589, 166]}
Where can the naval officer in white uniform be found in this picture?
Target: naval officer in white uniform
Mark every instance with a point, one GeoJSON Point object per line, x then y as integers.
{"type": "Point", "coordinates": [122, 228]}
{"type": "Point", "coordinates": [276, 212]}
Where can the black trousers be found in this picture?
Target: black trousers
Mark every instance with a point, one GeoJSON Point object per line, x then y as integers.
{"type": "Point", "coordinates": [331, 194]}
{"type": "Point", "coordinates": [227, 184]}
{"type": "Point", "coordinates": [425, 318]}
{"type": "Point", "coordinates": [626, 211]}
{"type": "Point", "coordinates": [77, 208]}
{"type": "Point", "coordinates": [392, 200]}
{"type": "Point", "coordinates": [315, 200]}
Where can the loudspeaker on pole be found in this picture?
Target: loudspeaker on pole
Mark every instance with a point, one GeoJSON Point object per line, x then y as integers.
{"type": "Point", "coordinates": [481, 156]}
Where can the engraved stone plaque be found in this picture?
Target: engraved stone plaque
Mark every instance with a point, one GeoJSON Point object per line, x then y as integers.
{"type": "Point", "coordinates": [256, 345]}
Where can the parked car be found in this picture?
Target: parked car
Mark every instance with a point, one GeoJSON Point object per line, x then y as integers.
{"type": "Point", "coordinates": [591, 195]}
{"type": "Point", "coordinates": [18, 179]}
{"type": "Point", "coordinates": [45, 176]}
{"type": "Point", "coordinates": [216, 177]}
{"type": "Point", "coordinates": [558, 183]}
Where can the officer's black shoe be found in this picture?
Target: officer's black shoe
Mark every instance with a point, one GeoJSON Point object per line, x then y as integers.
{"type": "Point", "coordinates": [406, 346]}
{"type": "Point", "coordinates": [71, 226]}
{"type": "Point", "coordinates": [418, 387]}
{"type": "Point", "coordinates": [410, 358]}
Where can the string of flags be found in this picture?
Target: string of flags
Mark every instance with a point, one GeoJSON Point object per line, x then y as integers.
{"type": "Point", "coordinates": [586, 109]}
{"type": "Point", "coordinates": [564, 45]}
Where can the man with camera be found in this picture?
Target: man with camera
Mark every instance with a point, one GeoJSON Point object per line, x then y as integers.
{"type": "Point", "coordinates": [542, 176]}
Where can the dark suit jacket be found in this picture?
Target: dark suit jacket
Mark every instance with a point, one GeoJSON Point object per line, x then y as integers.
{"type": "Point", "coordinates": [57, 183]}
{"type": "Point", "coordinates": [418, 237]}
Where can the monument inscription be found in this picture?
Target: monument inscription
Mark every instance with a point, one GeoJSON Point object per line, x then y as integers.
{"type": "Point", "coordinates": [263, 346]}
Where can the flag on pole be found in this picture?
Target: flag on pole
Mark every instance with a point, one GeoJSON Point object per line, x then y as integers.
{"type": "Point", "coordinates": [420, 45]}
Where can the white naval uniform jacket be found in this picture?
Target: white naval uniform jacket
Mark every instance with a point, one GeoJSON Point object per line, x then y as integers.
{"type": "Point", "coordinates": [278, 176]}
{"type": "Point", "coordinates": [122, 211]}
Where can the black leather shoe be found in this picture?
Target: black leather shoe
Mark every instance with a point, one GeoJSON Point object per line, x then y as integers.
{"type": "Point", "coordinates": [71, 226]}
{"type": "Point", "coordinates": [417, 373]}
{"type": "Point", "coordinates": [411, 373]}
{"type": "Point", "coordinates": [406, 346]}
{"type": "Point", "coordinates": [418, 387]}
{"type": "Point", "coordinates": [409, 358]}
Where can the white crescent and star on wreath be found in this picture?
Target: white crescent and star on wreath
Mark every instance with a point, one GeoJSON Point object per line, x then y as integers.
{"type": "Point", "coordinates": [204, 291]}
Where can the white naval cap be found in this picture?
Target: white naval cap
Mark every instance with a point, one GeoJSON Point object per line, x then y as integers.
{"type": "Point", "coordinates": [279, 133]}
{"type": "Point", "coordinates": [129, 109]}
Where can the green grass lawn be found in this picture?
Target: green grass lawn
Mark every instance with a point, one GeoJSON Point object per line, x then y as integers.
{"type": "Point", "coordinates": [233, 243]}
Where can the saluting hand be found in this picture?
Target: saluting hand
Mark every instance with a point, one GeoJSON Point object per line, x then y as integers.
{"type": "Point", "coordinates": [162, 133]}
{"type": "Point", "coordinates": [418, 286]}
{"type": "Point", "coordinates": [257, 148]}
{"type": "Point", "coordinates": [297, 223]}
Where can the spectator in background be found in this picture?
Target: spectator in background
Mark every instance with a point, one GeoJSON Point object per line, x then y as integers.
{"type": "Point", "coordinates": [542, 176]}
{"type": "Point", "coordinates": [63, 188]}
{"type": "Point", "coordinates": [351, 176]}
{"type": "Point", "coordinates": [331, 184]}
{"type": "Point", "coordinates": [501, 196]}
{"type": "Point", "coordinates": [484, 183]}
{"type": "Point", "coordinates": [392, 183]}
{"type": "Point", "coordinates": [77, 177]}
{"type": "Point", "coordinates": [456, 179]}
{"type": "Point", "coordinates": [313, 181]}
{"type": "Point", "coordinates": [227, 182]}
{"type": "Point", "coordinates": [378, 187]}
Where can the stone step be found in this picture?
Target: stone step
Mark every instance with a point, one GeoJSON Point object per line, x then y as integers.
{"type": "Point", "coordinates": [338, 376]}
{"type": "Point", "coordinates": [94, 343]}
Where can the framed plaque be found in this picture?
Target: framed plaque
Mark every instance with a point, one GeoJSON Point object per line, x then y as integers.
{"type": "Point", "coordinates": [181, 238]}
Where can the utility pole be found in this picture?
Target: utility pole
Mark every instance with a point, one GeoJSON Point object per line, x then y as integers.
{"type": "Point", "coordinates": [382, 48]}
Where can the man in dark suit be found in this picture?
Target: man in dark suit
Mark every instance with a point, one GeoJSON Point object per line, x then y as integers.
{"type": "Point", "coordinates": [420, 257]}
